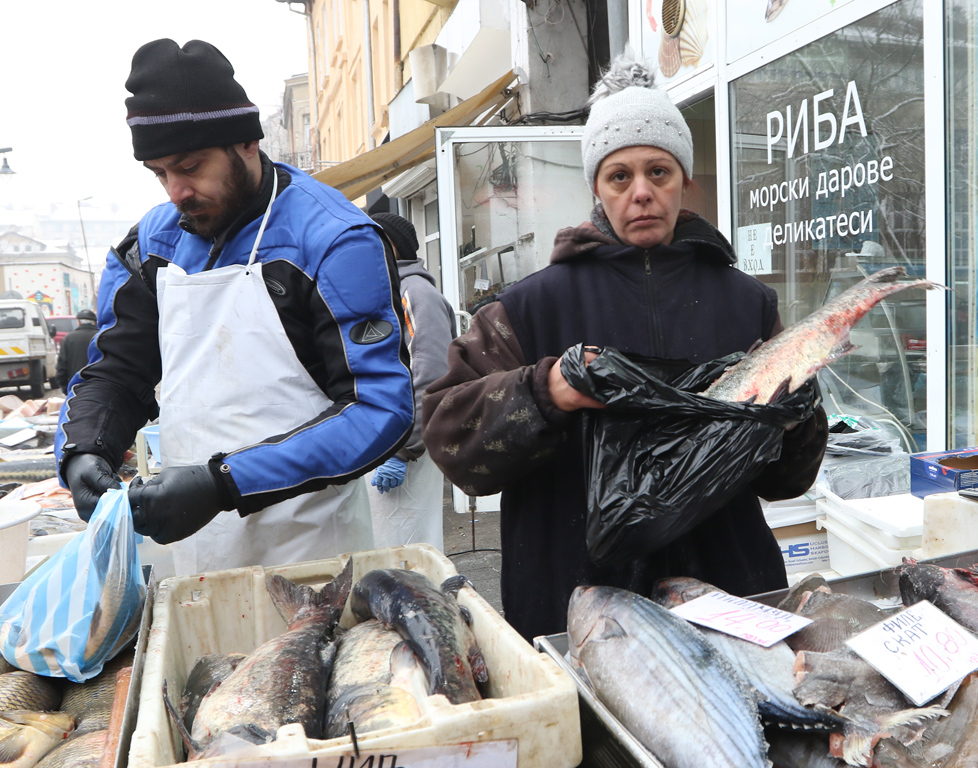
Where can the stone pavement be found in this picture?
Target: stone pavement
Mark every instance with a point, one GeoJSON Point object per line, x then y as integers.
{"type": "Point", "coordinates": [474, 549]}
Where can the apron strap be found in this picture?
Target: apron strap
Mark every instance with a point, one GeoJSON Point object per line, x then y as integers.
{"type": "Point", "coordinates": [264, 219]}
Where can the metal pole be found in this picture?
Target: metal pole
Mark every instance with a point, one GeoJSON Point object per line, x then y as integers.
{"type": "Point", "coordinates": [88, 264]}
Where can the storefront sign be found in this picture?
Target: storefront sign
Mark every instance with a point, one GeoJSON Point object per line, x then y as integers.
{"type": "Point", "coordinates": [921, 650]}
{"type": "Point", "coordinates": [487, 754]}
{"type": "Point", "coordinates": [741, 618]}
{"type": "Point", "coordinates": [754, 248]}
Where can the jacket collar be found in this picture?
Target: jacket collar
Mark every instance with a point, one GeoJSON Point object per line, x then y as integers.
{"type": "Point", "coordinates": [573, 242]}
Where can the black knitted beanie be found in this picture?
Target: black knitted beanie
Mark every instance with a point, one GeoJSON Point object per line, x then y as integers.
{"type": "Point", "coordinates": [401, 232]}
{"type": "Point", "coordinates": [185, 99]}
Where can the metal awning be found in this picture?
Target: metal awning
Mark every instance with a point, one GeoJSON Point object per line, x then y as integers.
{"type": "Point", "coordinates": [366, 172]}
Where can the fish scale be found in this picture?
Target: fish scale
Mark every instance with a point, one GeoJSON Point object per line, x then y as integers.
{"type": "Point", "coordinates": [636, 652]}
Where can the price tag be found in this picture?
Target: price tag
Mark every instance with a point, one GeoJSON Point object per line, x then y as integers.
{"type": "Point", "coordinates": [481, 284]}
{"type": "Point", "coordinates": [921, 650]}
{"type": "Point", "coordinates": [485, 754]}
{"type": "Point", "coordinates": [746, 619]}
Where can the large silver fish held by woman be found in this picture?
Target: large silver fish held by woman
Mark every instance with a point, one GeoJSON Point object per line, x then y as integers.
{"type": "Point", "coordinates": [782, 364]}
{"type": "Point", "coordinates": [665, 683]}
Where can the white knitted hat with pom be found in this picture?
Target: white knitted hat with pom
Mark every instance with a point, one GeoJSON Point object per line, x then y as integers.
{"type": "Point", "coordinates": [628, 110]}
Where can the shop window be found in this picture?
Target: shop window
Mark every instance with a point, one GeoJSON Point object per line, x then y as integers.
{"type": "Point", "coordinates": [962, 232]}
{"type": "Point", "coordinates": [828, 175]}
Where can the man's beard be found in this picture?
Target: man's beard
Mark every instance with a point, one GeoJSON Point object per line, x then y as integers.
{"type": "Point", "coordinates": [238, 192]}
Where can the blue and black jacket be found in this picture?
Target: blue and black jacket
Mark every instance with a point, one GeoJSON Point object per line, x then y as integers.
{"type": "Point", "coordinates": [336, 290]}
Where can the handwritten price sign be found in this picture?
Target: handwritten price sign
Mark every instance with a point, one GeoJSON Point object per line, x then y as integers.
{"type": "Point", "coordinates": [921, 650]}
{"type": "Point", "coordinates": [741, 618]}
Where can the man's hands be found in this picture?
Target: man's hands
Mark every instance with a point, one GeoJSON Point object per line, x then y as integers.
{"type": "Point", "coordinates": [564, 396]}
{"type": "Point", "coordinates": [176, 503]}
{"type": "Point", "coordinates": [389, 475]}
{"type": "Point", "coordinates": [89, 476]}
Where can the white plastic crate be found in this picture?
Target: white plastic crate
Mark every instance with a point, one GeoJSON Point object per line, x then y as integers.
{"type": "Point", "coordinates": [897, 521]}
{"type": "Point", "coordinates": [851, 553]}
{"type": "Point", "coordinates": [531, 700]}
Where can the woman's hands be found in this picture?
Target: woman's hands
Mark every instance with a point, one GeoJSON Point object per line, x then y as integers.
{"type": "Point", "coordinates": [564, 396]}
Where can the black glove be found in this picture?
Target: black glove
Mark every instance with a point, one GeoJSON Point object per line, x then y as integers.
{"type": "Point", "coordinates": [89, 476]}
{"type": "Point", "coordinates": [176, 503]}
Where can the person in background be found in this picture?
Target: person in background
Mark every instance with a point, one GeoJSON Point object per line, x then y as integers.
{"type": "Point", "coordinates": [265, 306]}
{"type": "Point", "coordinates": [643, 276]}
{"type": "Point", "coordinates": [406, 493]}
{"type": "Point", "coordinates": [73, 355]}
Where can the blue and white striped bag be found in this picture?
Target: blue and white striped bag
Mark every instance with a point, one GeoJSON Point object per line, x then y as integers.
{"type": "Point", "coordinates": [81, 606]}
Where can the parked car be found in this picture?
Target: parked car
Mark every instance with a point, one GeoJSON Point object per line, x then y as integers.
{"type": "Point", "coordinates": [63, 325]}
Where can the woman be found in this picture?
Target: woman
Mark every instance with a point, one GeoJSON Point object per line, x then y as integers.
{"type": "Point", "coordinates": [647, 277]}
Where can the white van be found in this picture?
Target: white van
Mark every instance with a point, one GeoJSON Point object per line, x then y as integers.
{"type": "Point", "coordinates": [27, 353]}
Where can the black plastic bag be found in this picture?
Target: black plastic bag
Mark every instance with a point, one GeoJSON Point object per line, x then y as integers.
{"type": "Point", "coordinates": [660, 458]}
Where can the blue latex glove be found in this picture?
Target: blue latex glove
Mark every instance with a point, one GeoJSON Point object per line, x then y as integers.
{"type": "Point", "coordinates": [389, 475]}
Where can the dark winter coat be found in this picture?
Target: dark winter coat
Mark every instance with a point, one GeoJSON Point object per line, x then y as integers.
{"type": "Point", "coordinates": [490, 423]}
{"type": "Point", "coordinates": [73, 354]}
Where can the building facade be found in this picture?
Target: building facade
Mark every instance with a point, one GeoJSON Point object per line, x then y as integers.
{"type": "Point", "coordinates": [832, 138]}
{"type": "Point", "coordinates": [50, 274]}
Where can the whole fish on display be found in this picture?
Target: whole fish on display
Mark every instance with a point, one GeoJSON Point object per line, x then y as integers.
{"type": "Point", "coordinates": [207, 673]}
{"type": "Point", "coordinates": [90, 703]}
{"type": "Point", "coordinates": [769, 670]}
{"type": "Point", "coordinates": [84, 751]}
{"type": "Point", "coordinates": [845, 682]}
{"type": "Point", "coordinates": [664, 682]}
{"type": "Point", "coordinates": [26, 737]}
{"type": "Point", "coordinates": [952, 590]}
{"type": "Point", "coordinates": [952, 742]}
{"type": "Point", "coordinates": [782, 364]}
{"type": "Point", "coordinates": [431, 621]}
{"type": "Point", "coordinates": [283, 680]}
{"type": "Point", "coordinates": [27, 691]}
{"type": "Point", "coordinates": [835, 618]}
{"type": "Point", "coordinates": [377, 681]}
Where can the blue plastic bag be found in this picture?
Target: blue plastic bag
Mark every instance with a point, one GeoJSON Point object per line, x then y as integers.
{"type": "Point", "coordinates": [83, 605]}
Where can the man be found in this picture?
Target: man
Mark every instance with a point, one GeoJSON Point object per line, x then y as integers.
{"type": "Point", "coordinates": [73, 354]}
{"type": "Point", "coordinates": [407, 503]}
{"type": "Point", "coordinates": [264, 305]}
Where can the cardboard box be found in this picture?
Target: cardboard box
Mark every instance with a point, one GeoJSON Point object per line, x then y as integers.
{"type": "Point", "coordinates": [943, 472]}
{"type": "Point", "coordinates": [803, 547]}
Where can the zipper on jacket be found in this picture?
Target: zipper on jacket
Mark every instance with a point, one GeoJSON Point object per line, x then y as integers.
{"type": "Point", "coordinates": [654, 340]}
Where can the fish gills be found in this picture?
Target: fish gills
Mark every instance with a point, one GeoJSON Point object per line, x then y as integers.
{"type": "Point", "coordinates": [208, 673]}
{"type": "Point", "coordinates": [84, 751]}
{"type": "Point", "coordinates": [284, 680]}
{"type": "Point", "coordinates": [636, 652]}
{"type": "Point", "coordinates": [788, 360]}
{"type": "Point", "coordinates": [433, 625]}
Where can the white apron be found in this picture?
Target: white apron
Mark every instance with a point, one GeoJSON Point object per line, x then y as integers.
{"type": "Point", "coordinates": [230, 379]}
{"type": "Point", "coordinates": [412, 512]}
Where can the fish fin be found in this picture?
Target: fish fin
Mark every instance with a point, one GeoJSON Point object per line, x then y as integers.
{"type": "Point", "coordinates": [906, 717]}
{"type": "Point", "coordinates": [608, 628]}
{"type": "Point", "coordinates": [291, 599]}
{"type": "Point", "coordinates": [453, 584]}
{"type": "Point", "coordinates": [755, 345]}
{"type": "Point", "coordinates": [968, 574]}
{"type": "Point", "coordinates": [750, 400]}
{"type": "Point", "coordinates": [193, 748]}
{"type": "Point", "coordinates": [478, 663]}
{"type": "Point", "coordinates": [783, 389]}
{"type": "Point", "coordinates": [14, 746]}
{"type": "Point", "coordinates": [466, 615]}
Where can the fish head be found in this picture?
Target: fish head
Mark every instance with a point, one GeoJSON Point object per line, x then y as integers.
{"type": "Point", "coordinates": [678, 590]}
{"type": "Point", "coordinates": [921, 581]}
{"type": "Point", "coordinates": [587, 620]}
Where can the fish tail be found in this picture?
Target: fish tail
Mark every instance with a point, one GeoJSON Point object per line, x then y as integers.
{"type": "Point", "coordinates": [860, 736]}
{"type": "Point", "coordinates": [453, 584]}
{"type": "Point", "coordinates": [293, 601]}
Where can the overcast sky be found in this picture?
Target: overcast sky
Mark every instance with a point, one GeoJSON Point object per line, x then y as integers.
{"type": "Point", "coordinates": [63, 68]}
